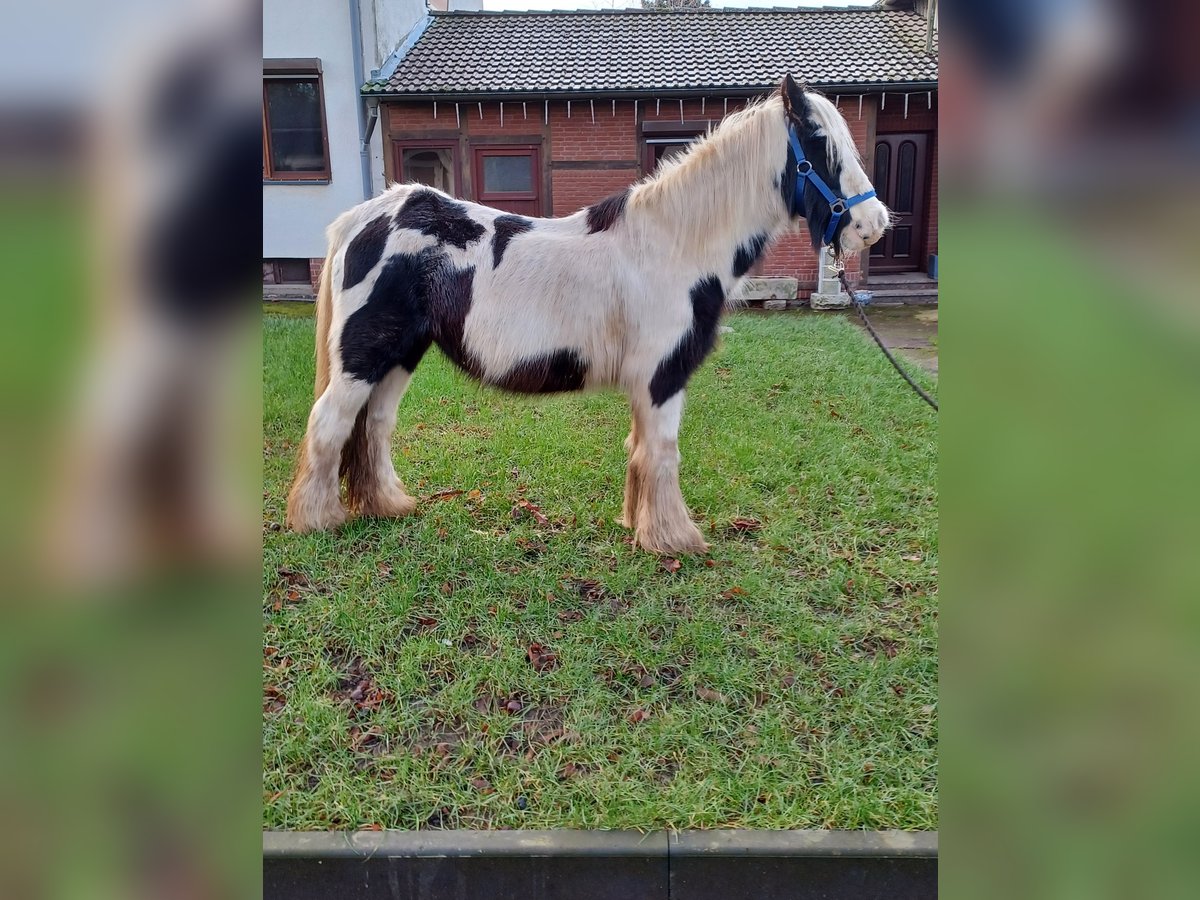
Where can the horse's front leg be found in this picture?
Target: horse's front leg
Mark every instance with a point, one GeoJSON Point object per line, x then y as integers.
{"type": "Point", "coordinates": [661, 522]}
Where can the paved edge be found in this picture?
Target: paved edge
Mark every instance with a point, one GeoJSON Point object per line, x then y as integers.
{"type": "Point", "coordinates": [573, 843]}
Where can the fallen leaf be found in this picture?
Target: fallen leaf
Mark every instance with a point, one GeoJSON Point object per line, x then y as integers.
{"type": "Point", "coordinates": [789, 679]}
{"type": "Point", "coordinates": [570, 615]}
{"type": "Point", "coordinates": [482, 784]}
{"type": "Point", "coordinates": [531, 548]}
{"type": "Point", "coordinates": [588, 588]}
{"type": "Point", "coordinates": [445, 495]}
{"type": "Point", "coordinates": [912, 557]}
{"type": "Point", "coordinates": [672, 565]}
{"type": "Point", "coordinates": [524, 506]}
{"type": "Point", "coordinates": [543, 659]}
{"type": "Point", "coordinates": [569, 770]}
{"type": "Point", "coordinates": [514, 706]}
{"type": "Point", "coordinates": [474, 494]}
{"type": "Point", "coordinates": [638, 715]}
{"type": "Point", "coordinates": [273, 699]}
{"type": "Point", "coordinates": [745, 524]}
{"type": "Point", "coordinates": [647, 681]}
{"type": "Point", "coordinates": [710, 695]}
{"type": "Point", "coordinates": [371, 826]}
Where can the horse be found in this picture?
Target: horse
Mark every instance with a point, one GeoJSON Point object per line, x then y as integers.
{"type": "Point", "coordinates": [626, 294]}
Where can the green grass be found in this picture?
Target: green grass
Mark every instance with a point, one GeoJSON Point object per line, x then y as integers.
{"type": "Point", "coordinates": [786, 679]}
{"type": "Point", "coordinates": [292, 309]}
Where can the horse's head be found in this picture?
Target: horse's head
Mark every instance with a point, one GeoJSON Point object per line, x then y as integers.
{"type": "Point", "coordinates": [828, 186]}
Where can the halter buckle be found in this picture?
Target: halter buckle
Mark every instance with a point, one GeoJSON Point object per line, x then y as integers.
{"type": "Point", "coordinates": [804, 173]}
{"type": "Point", "coordinates": [838, 206]}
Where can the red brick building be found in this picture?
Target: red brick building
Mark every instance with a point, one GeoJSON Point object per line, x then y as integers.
{"type": "Point", "coordinates": [545, 113]}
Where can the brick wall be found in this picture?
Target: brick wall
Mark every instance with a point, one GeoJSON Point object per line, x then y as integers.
{"type": "Point", "coordinates": [591, 149]}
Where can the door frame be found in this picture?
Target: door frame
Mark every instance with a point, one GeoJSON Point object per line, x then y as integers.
{"type": "Point", "coordinates": [921, 228]}
{"type": "Point", "coordinates": [400, 144]}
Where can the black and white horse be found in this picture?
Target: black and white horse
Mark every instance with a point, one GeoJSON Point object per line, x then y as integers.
{"type": "Point", "coordinates": [626, 293]}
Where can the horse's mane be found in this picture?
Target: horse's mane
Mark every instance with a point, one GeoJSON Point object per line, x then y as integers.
{"type": "Point", "coordinates": [745, 147]}
{"type": "Point", "coordinates": [727, 185]}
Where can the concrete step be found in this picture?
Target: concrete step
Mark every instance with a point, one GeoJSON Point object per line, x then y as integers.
{"type": "Point", "coordinates": [927, 296]}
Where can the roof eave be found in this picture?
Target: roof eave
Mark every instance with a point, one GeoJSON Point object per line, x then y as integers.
{"type": "Point", "coordinates": [741, 91]}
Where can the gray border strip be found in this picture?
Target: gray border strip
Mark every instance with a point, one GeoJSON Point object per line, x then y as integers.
{"type": "Point", "coordinates": [391, 844]}
{"type": "Point", "coordinates": [566, 842]}
{"type": "Point", "coordinates": [876, 844]}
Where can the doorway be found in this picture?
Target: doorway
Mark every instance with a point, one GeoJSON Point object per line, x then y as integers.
{"type": "Point", "coordinates": [901, 178]}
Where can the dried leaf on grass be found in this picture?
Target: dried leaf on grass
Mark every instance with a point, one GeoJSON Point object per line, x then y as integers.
{"type": "Point", "coordinates": [542, 658]}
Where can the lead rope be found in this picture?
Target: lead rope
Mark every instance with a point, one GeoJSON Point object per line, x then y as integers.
{"type": "Point", "coordinates": [841, 273]}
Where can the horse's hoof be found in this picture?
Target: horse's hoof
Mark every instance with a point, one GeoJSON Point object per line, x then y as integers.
{"type": "Point", "coordinates": [306, 521]}
{"type": "Point", "coordinates": [681, 541]}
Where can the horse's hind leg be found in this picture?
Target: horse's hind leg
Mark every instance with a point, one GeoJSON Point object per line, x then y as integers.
{"type": "Point", "coordinates": [372, 486]}
{"type": "Point", "coordinates": [662, 523]}
{"type": "Point", "coordinates": [314, 502]}
{"type": "Point", "coordinates": [633, 481]}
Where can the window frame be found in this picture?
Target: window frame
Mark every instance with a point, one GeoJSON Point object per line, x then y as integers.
{"type": "Point", "coordinates": [533, 151]}
{"type": "Point", "coordinates": [277, 262]}
{"type": "Point", "coordinates": [399, 145]}
{"type": "Point", "coordinates": [295, 70]}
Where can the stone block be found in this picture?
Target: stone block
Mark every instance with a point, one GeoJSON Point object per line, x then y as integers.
{"type": "Point", "coordinates": [773, 287]}
{"type": "Point", "coordinates": [840, 300]}
{"type": "Point", "coordinates": [775, 304]}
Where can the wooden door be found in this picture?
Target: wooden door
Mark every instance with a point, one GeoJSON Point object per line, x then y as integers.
{"type": "Point", "coordinates": [901, 177]}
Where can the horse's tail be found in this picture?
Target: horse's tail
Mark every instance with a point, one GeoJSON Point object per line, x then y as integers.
{"type": "Point", "coordinates": [336, 235]}
{"type": "Point", "coordinates": [357, 465]}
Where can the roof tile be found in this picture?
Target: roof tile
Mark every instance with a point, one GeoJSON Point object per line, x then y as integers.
{"type": "Point", "coordinates": [636, 50]}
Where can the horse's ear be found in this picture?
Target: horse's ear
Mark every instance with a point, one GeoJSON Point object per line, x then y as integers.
{"type": "Point", "coordinates": [793, 97]}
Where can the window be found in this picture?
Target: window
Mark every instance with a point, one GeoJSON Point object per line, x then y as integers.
{"type": "Point", "coordinates": [295, 144]}
{"type": "Point", "coordinates": [507, 174]}
{"type": "Point", "coordinates": [660, 150]}
{"type": "Point", "coordinates": [427, 163]}
{"type": "Point", "coordinates": [509, 177]}
{"type": "Point", "coordinates": [286, 271]}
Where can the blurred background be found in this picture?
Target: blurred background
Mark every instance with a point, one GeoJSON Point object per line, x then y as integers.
{"type": "Point", "coordinates": [129, 231]}
{"type": "Point", "coordinates": [1071, 143]}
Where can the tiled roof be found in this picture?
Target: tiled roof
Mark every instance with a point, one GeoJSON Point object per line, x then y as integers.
{"type": "Point", "coordinates": [639, 50]}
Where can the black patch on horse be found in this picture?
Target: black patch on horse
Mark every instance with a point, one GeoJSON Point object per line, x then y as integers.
{"type": "Point", "coordinates": [449, 295]}
{"type": "Point", "coordinates": [392, 328]}
{"type": "Point", "coordinates": [433, 214]}
{"type": "Point", "coordinates": [747, 254]}
{"type": "Point", "coordinates": [604, 215]}
{"type": "Point", "coordinates": [816, 208]}
{"type": "Point", "coordinates": [507, 227]}
{"type": "Point", "coordinates": [672, 374]}
{"type": "Point", "coordinates": [365, 251]}
{"type": "Point", "coordinates": [562, 370]}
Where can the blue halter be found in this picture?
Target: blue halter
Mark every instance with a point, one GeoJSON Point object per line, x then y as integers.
{"type": "Point", "coordinates": [838, 206]}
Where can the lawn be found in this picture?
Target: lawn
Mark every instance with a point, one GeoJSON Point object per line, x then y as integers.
{"type": "Point", "coordinates": [505, 659]}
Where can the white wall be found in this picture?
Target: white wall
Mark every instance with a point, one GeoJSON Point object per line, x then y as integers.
{"type": "Point", "coordinates": [386, 24]}
{"type": "Point", "coordinates": [295, 216]}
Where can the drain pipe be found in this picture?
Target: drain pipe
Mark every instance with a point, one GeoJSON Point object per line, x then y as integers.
{"type": "Point", "coordinates": [364, 150]}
